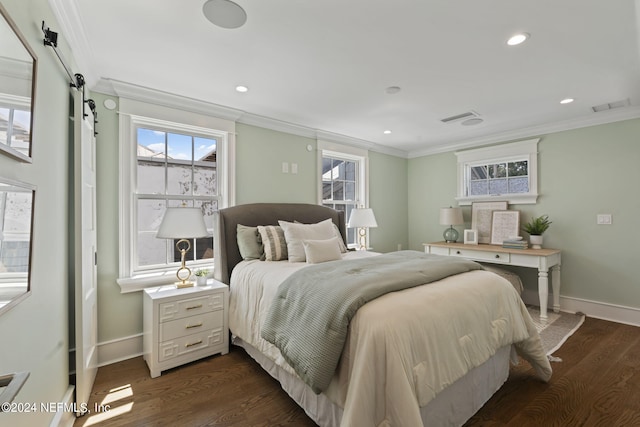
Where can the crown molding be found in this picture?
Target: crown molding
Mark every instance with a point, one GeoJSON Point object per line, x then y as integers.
{"type": "Point", "coordinates": [153, 96]}
{"type": "Point", "coordinates": [594, 119]}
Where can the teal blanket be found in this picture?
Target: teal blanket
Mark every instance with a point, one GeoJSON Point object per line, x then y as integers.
{"type": "Point", "coordinates": [309, 317]}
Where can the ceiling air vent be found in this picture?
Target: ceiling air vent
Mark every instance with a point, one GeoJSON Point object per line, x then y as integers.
{"type": "Point", "coordinates": [460, 117]}
{"type": "Point", "coordinates": [611, 105]}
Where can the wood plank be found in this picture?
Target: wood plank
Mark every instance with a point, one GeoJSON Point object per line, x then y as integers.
{"type": "Point", "coordinates": [597, 383]}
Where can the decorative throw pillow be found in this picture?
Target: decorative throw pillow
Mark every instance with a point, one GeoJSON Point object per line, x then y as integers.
{"type": "Point", "coordinates": [343, 247]}
{"type": "Point", "coordinates": [295, 233]}
{"type": "Point", "coordinates": [275, 246]}
{"type": "Point", "coordinates": [249, 242]}
{"type": "Point", "coordinates": [318, 251]}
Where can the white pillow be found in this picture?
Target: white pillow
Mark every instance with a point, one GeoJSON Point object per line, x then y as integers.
{"type": "Point", "coordinates": [318, 251]}
{"type": "Point", "coordinates": [295, 233]}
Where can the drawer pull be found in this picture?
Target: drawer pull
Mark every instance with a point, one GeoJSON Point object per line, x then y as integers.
{"type": "Point", "coordinates": [193, 326]}
{"type": "Point", "coordinates": [497, 256]}
{"type": "Point", "coordinates": [192, 344]}
{"type": "Point", "coordinates": [193, 307]}
{"type": "Point", "coordinates": [457, 252]}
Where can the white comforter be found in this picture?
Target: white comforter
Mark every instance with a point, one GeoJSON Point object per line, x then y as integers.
{"type": "Point", "coordinates": [404, 347]}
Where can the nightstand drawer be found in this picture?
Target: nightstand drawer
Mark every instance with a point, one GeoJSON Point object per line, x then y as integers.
{"type": "Point", "coordinates": [191, 325]}
{"type": "Point", "coordinates": [499, 257]}
{"type": "Point", "coordinates": [189, 344]}
{"type": "Point", "coordinates": [191, 306]}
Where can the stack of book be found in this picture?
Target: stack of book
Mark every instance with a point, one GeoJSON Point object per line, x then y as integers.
{"type": "Point", "coordinates": [517, 243]}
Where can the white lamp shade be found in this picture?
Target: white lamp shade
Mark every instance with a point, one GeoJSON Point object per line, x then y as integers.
{"type": "Point", "coordinates": [182, 223]}
{"type": "Point", "coordinates": [451, 216]}
{"type": "Point", "coordinates": [362, 217]}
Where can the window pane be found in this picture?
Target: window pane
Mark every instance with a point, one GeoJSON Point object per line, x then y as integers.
{"type": "Point", "coordinates": [350, 191]}
{"type": "Point", "coordinates": [498, 186]}
{"type": "Point", "coordinates": [326, 190]}
{"type": "Point", "coordinates": [519, 185]}
{"type": "Point", "coordinates": [179, 178]}
{"type": "Point", "coordinates": [518, 168]}
{"type": "Point", "coordinates": [150, 213]}
{"type": "Point", "coordinates": [338, 190]}
{"type": "Point", "coordinates": [350, 171]}
{"type": "Point", "coordinates": [326, 169]}
{"type": "Point", "coordinates": [150, 177]}
{"type": "Point", "coordinates": [479, 172]}
{"type": "Point", "coordinates": [151, 161]}
{"type": "Point", "coordinates": [478, 188]}
{"type": "Point", "coordinates": [151, 250]}
{"type": "Point", "coordinates": [204, 181]}
{"type": "Point", "coordinates": [498, 170]}
{"type": "Point", "coordinates": [180, 147]}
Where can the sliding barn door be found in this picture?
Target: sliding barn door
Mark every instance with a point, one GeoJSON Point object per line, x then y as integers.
{"type": "Point", "coordinates": [86, 292]}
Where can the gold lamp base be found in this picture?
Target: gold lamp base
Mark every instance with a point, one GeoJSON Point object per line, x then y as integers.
{"type": "Point", "coordinates": [183, 272]}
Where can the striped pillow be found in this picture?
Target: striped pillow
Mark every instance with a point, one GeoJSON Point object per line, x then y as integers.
{"type": "Point", "coordinates": [275, 246]}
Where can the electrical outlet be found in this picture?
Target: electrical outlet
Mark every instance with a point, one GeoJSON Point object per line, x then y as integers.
{"type": "Point", "coordinates": [603, 219]}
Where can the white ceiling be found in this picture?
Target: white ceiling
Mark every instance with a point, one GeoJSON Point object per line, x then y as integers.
{"type": "Point", "coordinates": [325, 65]}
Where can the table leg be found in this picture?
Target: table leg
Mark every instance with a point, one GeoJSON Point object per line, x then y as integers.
{"type": "Point", "coordinates": [543, 292]}
{"type": "Point", "coordinates": [555, 282]}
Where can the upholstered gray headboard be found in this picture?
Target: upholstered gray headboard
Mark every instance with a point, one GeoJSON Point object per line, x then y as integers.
{"type": "Point", "coordinates": [225, 246]}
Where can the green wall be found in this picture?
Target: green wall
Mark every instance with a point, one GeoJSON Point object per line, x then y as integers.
{"type": "Point", "coordinates": [35, 332]}
{"type": "Point", "coordinates": [582, 173]}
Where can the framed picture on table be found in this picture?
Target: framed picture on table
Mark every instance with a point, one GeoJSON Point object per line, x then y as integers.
{"type": "Point", "coordinates": [481, 217]}
{"type": "Point", "coordinates": [504, 225]}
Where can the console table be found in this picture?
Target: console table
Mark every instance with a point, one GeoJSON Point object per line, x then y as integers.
{"type": "Point", "coordinates": [542, 259]}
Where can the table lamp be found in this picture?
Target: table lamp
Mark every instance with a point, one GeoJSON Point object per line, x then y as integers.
{"type": "Point", "coordinates": [362, 218]}
{"type": "Point", "coordinates": [451, 216]}
{"type": "Point", "coordinates": [182, 223]}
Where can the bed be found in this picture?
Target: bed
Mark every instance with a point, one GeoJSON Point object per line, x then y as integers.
{"type": "Point", "coordinates": [401, 364]}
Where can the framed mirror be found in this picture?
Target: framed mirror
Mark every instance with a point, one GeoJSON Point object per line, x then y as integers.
{"type": "Point", "coordinates": [17, 90]}
{"type": "Point", "coordinates": [16, 229]}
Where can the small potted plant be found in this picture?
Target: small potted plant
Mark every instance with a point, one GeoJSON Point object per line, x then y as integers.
{"type": "Point", "coordinates": [201, 276]}
{"type": "Point", "coordinates": [535, 228]}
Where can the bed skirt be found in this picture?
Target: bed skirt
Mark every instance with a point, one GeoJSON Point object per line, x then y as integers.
{"type": "Point", "coordinates": [451, 407]}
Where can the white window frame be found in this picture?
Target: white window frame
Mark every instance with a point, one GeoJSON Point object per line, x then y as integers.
{"type": "Point", "coordinates": [514, 151]}
{"type": "Point", "coordinates": [358, 155]}
{"type": "Point", "coordinates": [134, 114]}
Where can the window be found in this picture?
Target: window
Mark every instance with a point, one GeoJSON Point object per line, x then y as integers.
{"type": "Point", "coordinates": [167, 164]}
{"type": "Point", "coordinates": [504, 172]}
{"type": "Point", "coordinates": [173, 169]}
{"type": "Point", "coordinates": [343, 180]}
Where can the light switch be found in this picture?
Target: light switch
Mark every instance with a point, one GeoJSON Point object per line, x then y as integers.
{"type": "Point", "coordinates": [604, 219]}
{"type": "Point", "coordinates": [285, 167]}
{"type": "Point", "coordinates": [294, 168]}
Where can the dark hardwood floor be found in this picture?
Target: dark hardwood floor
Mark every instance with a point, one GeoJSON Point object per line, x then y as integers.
{"type": "Point", "coordinates": [596, 384]}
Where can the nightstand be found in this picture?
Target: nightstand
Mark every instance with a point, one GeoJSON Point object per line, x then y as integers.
{"type": "Point", "coordinates": [183, 325]}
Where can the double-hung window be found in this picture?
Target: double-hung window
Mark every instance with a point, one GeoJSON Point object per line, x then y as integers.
{"type": "Point", "coordinates": [343, 180]}
{"type": "Point", "coordinates": [501, 172]}
{"type": "Point", "coordinates": [167, 164]}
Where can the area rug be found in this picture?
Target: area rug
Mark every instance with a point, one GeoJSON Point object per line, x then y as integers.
{"type": "Point", "coordinates": [558, 327]}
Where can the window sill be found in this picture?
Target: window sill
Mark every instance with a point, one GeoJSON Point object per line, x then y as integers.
{"type": "Point", "coordinates": [512, 199]}
{"type": "Point", "coordinates": [147, 280]}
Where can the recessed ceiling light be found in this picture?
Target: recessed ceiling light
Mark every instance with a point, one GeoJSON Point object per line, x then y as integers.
{"type": "Point", "coordinates": [392, 90]}
{"type": "Point", "coordinates": [224, 13]}
{"type": "Point", "coordinates": [567, 101]}
{"type": "Point", "coordinates": [242, 89]}
{"type": "Point", "coordinates": [517, 39]}
{"type": "Point", "coordinates": [387, 132]}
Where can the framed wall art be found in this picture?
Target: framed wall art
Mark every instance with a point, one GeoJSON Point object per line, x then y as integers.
{"type": "Point", "coordinates": [481, 217]}
{"type": "Point", "coordinates": [504, 225]}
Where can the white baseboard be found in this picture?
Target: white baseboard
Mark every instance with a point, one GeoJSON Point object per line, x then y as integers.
{"type": "Point", "coordinates": [119, 349]}
{"type": "Point", "coordinates": [64, 418]}
{"type": "Point", "coordinates": [599, 310]}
